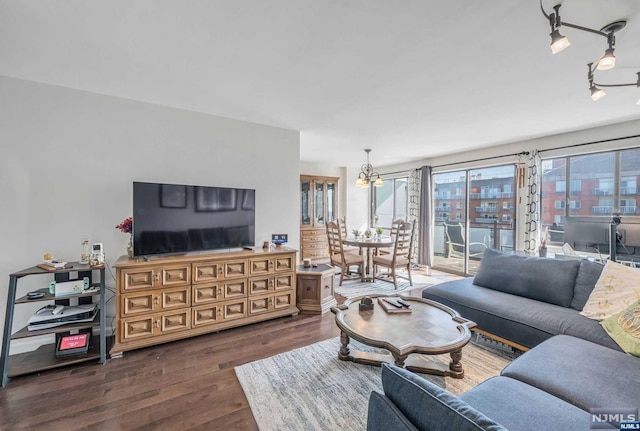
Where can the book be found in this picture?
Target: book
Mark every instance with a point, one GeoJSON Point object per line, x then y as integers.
{"type": "Point", "coordinates": [53, 268]}
{"type": "Point", "coordinates": [390, 305]}
{"type": "Point", "coordinates": [57, 264]}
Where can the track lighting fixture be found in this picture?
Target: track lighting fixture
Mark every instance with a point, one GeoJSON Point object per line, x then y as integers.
{"type": "Point", "coordinates": [608, 60]}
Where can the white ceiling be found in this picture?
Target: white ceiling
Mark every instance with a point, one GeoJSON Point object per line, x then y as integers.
{"type": "Point", "coordinates": [410, 79]}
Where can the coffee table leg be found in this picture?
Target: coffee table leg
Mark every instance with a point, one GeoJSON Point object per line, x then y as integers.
{"type": "Point", "coordinates": [399, 360]}
{"type": "Point", "coordinates": [455, 364]}
{"type": "Point", "coordinates": [343, 354]}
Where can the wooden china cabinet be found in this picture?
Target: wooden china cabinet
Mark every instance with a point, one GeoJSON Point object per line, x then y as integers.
{"type": "Point", "coordinates": [318, 206]}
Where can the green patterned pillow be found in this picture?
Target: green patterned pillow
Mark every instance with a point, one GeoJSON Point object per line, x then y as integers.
{"type": "Point", "coordinates": [624, 328]}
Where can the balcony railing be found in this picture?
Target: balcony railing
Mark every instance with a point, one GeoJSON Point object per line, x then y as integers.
{"type": "Point", "coordinates": [486, 220]}
{"type": "Point", "coordinates": [443, 208]}
{"type": "Point", "coordinates": [485, 209]}
{"type": "Point", "coordinates": [602, 192]}
{"type": "Point", "coordinates": [609, 210]}
{"type": "Point", "coordinates": [602, 210]}
{"type": "Point", "coordinates": [441, 218]}
{"type": "Point", "coordinates": [445, 197]}
{"type": "Point", "coordinates": [628, 190]}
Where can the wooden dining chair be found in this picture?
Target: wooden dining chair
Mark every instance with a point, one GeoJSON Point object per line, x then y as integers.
{"type": "Point", "coordinates": [343, 233]}
{"type": "Point", "coordinates": [340, 258]}
{"type": "Point", "coordinates": [394, 231]}
{"type": "Point", "coordinates": [399, 258]}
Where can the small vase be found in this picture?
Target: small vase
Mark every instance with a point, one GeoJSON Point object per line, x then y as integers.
{"type": "Point", "coordinates": [130, 247]}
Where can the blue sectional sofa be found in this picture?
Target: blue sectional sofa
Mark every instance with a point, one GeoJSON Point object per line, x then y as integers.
{"type": "Point", "coordinates": [555, 386]}
{"type": "Point", "coordinates": [524, 300]}
{"type": "Point", "coordinates": [571, 367]}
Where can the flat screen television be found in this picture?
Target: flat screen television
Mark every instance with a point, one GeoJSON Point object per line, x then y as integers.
{"type": "Point", "coordinates": [178, 218]}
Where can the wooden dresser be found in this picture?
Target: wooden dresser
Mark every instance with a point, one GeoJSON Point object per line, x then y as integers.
{"type": "Point", "coordinates": [318, 205]}
{"type": "Point", "coordinates": [171, 298]}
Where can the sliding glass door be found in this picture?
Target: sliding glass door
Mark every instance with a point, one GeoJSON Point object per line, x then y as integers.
{"type": "Point", "coordinates": [473, 210]}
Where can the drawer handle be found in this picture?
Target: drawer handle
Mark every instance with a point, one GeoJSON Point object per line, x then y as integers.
{"type": "Point", "coordinates": [157, 300]}
{"type": "Point", "coordinates": [157, 323]}
{"type": "Point", "coordinates": [327, 287]}
{"type": "Point", "coordinates": [308, 288]}
{"type": "Point", "coordinates": [220, 270]}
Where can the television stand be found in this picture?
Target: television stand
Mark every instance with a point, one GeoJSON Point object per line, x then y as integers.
{"type": "Point", "coordinates": [176, 297]}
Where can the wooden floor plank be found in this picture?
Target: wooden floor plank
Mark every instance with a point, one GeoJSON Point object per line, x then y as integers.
{"type": "Point", "coordinates": [187, 385]}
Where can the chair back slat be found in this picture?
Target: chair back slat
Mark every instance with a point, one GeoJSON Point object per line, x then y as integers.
{"type": "Point", "coordinates": [403, 240]}
{"type": "Point", "coordinates": [335, 239]}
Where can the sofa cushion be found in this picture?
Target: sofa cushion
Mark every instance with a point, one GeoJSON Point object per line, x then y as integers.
{"type": "Point", "coordinates": [518, 406]}
{"type": "Point", "coordinates": [428, 406]}
{"type": "Point", "coordinates": [588, 275]}
{"type": "Point", "coordinates": [617, 287]}
{"type": "Point", "coordinates": [383, 415]}
{"type": "Point", "coordinates": [624, 328]}
{"type": "Point", "coordinates": [543, 279]}
{"type": "Point", "coordinates": [583, 373]}
{"type": "Point", "coordinates": [521, 320]}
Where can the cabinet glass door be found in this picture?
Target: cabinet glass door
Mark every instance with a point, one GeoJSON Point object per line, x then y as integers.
{"type": "Point", "coordinates": [331, 202]}
{"type": "Point", "coordinates": [319, 204]}
{"type": "Point", "coordinates": [305, 203]}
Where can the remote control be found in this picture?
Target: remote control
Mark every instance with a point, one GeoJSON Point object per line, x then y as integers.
{"type": "Point", "coordinates": [404, 303]}
{"type": "Point", "coordinates": [392, 302]}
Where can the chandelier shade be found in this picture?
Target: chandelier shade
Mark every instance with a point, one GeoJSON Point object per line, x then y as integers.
{"type": "Point", "coordinates": [367, 175]}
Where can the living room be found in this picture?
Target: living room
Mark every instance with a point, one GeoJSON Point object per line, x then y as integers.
{"type": "Point", "coordinates": [90, 108]}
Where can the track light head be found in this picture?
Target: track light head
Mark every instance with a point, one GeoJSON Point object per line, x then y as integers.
{"type": "Point", "coordinates": [596, 93]}
{"type": "Point", "coordinates": [558, 42]}
{"type": "Point", "coordinates": [608, 60]}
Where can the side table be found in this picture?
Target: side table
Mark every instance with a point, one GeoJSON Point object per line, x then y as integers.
{"type": "Point", "coordinates": [315, 289]}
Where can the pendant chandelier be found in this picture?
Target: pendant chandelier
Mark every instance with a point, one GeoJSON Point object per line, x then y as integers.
{"type": "Point", "coordinates": [367, 174]}
{"type": "Point", "coordinates": [608, 60]}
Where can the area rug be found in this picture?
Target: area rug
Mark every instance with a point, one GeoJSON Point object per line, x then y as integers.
{"type": "Point", "coordinates": [311, 389]}
{"type": "Point", "coordinates": [352, 289]}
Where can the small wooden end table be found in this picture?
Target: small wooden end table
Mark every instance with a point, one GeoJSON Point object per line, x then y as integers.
{"type": "Point", "coordinates": [430, 329]}
{"type": "Point", "coordinates": [315, 289]}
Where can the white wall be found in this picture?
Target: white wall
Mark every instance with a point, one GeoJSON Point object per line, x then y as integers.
{"type": "Point", "coordinates": [68, 159]}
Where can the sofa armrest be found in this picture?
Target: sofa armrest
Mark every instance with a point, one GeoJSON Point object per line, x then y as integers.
{"type": "Point", "coordinates": [430, 407]}
{"type": "Point", "coordinates": [383, 415]}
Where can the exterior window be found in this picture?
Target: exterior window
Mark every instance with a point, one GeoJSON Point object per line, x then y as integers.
{"type": "Point", "coordinates": [392, 198]}
{"type": "Point", "coordinates": [599, 184]}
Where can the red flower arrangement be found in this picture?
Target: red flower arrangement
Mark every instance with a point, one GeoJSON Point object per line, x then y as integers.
{"type": "Point", "coordinates": [126, 225]}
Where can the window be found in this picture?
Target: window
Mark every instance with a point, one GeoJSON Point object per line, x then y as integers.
{"type": "Point", "coordinates": [390, 202]}
{"type": "Point", "coordinates": [478, 210]}
{"type": "Point", "coordinates": [599, 184]}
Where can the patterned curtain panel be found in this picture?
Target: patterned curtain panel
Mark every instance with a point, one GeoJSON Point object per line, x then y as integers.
{"type": "Point", "coordinates": [413, 196]}
{"type": "Point", "coordinates": [532, 210]}
{"type": "Point", "coordinates": [425, 217]}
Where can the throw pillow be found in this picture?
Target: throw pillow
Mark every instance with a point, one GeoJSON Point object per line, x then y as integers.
{"type": "Point", "coordinates": [624, 328]}
{"type": "Point", "coordinates": [618, 286]}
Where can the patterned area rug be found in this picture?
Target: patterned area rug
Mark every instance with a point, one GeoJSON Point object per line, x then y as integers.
{"type": "Point", "coordinates": [355, 288]}
{"type": "Point", "coordinates": [311, 389]}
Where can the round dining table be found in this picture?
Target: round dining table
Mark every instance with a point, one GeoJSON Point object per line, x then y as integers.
{"type": "Point", "coordinates": [383, 241]}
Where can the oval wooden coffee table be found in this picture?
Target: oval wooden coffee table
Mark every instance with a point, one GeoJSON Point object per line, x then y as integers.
{"type": "Point", "coordinates": [430, 329]}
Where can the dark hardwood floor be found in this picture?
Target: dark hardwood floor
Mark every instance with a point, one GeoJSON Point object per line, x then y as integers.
{"type": "Point", "coordinates": [183, 385]}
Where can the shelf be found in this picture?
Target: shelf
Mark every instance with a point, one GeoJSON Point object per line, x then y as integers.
{"type": "Point", "coordinates": [44, 358]}
{"type": "Point", "coordinates": [49, 297]}
{"type": "Point", "coordinates": [76, 266]}
{"type": "Point", "coordinates": [25, 333]}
